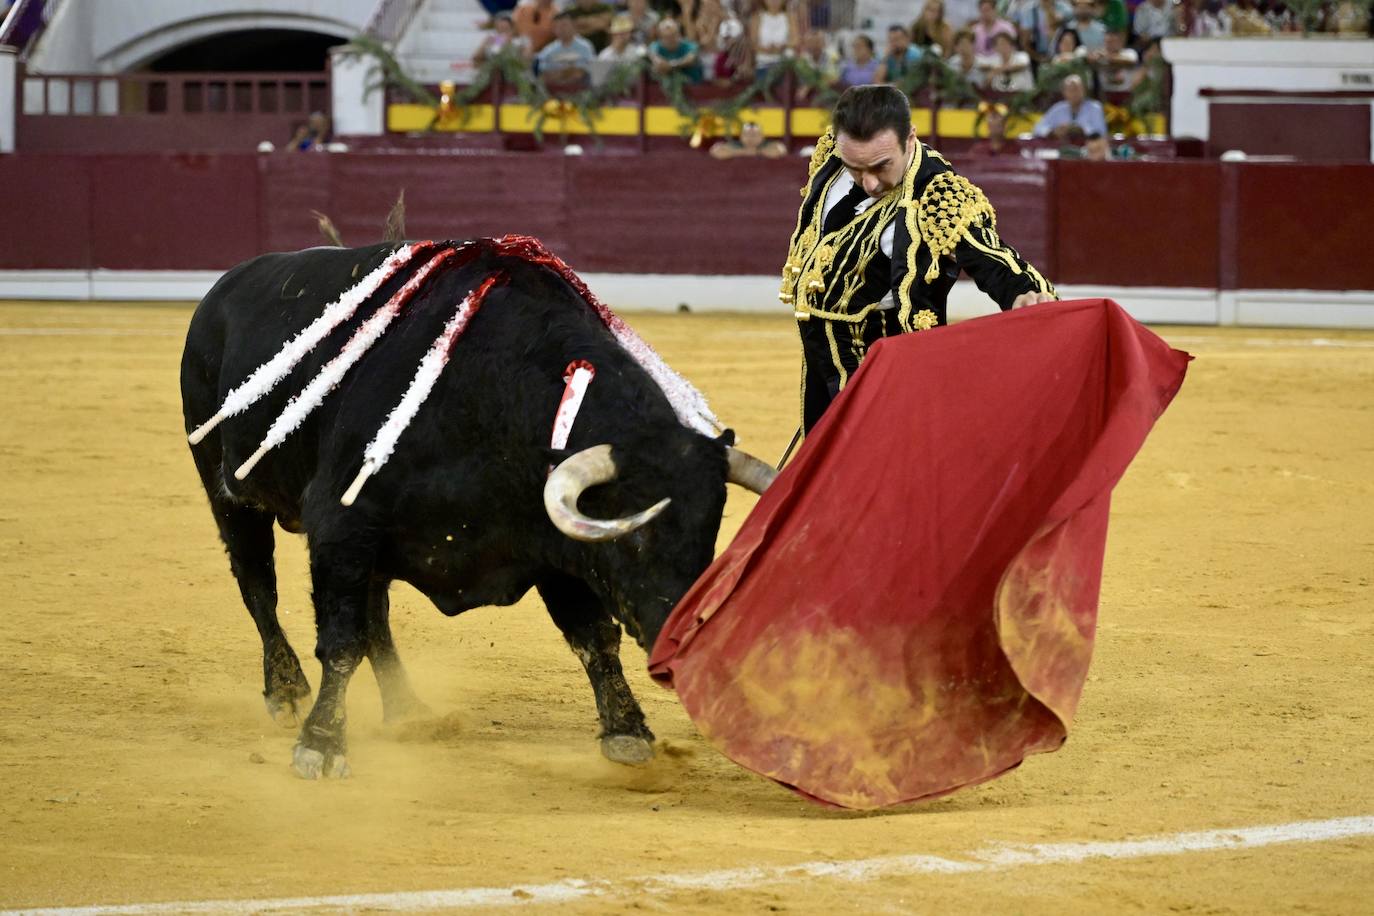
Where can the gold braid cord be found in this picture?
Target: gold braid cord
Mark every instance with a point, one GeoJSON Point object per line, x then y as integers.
{"type": "Point", "coordinates": [950, 206]}
{"type": "Point", "coordinates": [824, 147]}
{"type": "Point", "coordinates": [817, 261]}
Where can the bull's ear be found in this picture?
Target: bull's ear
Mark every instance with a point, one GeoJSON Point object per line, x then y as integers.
{"type": "Point", "coordinates": [727, 438]}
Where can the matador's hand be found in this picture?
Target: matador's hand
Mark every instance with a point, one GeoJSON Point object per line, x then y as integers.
{"type": "Point", "coordinates": [1026, 299]}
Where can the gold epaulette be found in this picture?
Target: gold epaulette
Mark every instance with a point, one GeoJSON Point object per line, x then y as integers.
{"type": "Point", "coordinates": [824, 147]}
{"type": "Point", "coordinates": [949, 205]}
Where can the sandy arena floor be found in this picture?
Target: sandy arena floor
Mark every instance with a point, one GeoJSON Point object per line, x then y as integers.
{"type": "Point", "coordinates": [1231, 687]}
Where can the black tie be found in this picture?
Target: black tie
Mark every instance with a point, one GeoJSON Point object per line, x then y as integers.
{"type": "Point", "coordinates": [844, 208]}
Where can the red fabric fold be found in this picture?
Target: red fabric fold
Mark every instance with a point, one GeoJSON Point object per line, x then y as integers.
{"type": "Point", "coordinates": [910, 608]}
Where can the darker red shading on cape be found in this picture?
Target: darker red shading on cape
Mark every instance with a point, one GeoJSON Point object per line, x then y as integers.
{"type": "Point", "coordinates": [910, 607]}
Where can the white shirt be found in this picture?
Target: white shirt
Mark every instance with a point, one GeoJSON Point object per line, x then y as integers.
{"type": "Point", "coordinates": [838, 190]}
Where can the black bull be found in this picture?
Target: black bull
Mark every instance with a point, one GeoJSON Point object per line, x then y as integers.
{"type": "Point", "coordinates": [459, 512]}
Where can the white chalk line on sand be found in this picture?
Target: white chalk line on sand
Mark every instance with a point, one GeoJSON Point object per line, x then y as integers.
{"type": "Point", "coordinates": [993, 858]}
{"type": "Point", "coordinates": [1316, 342]}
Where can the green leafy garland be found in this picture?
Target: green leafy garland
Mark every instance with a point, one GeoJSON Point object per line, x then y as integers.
{"type": "Point", "coordinates": [932, 71]}
{"type": "Point", "coordinates": [391, 75]}
{"type": "Point", "coordinates": [727, 111]}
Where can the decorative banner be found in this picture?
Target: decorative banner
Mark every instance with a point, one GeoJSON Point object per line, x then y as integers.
{"type": "Point", "coordinates": [910, 607]}
{"type": "Point", "coordinates": [576, 378]}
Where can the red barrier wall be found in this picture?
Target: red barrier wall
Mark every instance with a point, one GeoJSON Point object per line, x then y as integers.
{"type": "Point", "coordinates": [1138, 223]}
{"type": "Point", "coordinates": [1196, 224]}
{"type": "Point", "coordinates": [1302, 226]}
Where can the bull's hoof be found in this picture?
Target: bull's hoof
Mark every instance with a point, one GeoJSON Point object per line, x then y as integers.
{"type": "Point", "coordinates": [288, 711]}
{"type": "Point", "coordinates": [630, 750]}
{"type": "Point", "coordinates": [312, 764]}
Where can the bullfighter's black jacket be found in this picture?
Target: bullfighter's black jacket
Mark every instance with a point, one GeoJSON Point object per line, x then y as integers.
{"type": "Point", "coordinates": [836, 282]}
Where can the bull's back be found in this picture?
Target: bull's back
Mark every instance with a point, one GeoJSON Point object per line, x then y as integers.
{"type": "Point", "coordinates": [260, 304]}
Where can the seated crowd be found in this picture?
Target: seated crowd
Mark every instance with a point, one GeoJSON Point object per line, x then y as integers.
{"type": "Point", "coordinates": [990, 48]}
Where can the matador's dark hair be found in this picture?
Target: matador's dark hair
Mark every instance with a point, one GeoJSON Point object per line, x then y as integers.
{"type": "Point", "coordinates": [863, 112]}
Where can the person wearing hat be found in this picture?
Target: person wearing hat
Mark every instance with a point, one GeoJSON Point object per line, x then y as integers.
{"type": "Point", "coordinates": [621, 51]}
{"type": "Point", "coordinates": [593, 20]}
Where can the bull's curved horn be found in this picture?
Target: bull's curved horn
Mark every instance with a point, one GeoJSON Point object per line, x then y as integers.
{"type": "Point", "coordinates": [748, 471]}
{"type": "Point", "coordinates": [585, 469]}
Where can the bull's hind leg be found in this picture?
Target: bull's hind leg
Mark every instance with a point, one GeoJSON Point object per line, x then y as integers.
{"type": "Point", "coordinates": [247, 536]}
{"type": "Point", "coordinates": [341, 577]}
{"type": "Point", "coordinates": [398, 699]}
{"type": "Point", "coordinates": [595, 639]}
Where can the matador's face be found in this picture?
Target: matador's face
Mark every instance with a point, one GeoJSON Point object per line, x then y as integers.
{"type": "Point", "coordinates": [878, 163]}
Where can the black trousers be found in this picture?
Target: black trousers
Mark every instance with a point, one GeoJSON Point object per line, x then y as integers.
{"type": "Point", "coordinates": [831, 353]}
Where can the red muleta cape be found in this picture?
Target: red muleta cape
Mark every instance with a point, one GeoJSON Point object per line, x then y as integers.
{"type": "Point", "coordinates": [910, 607]}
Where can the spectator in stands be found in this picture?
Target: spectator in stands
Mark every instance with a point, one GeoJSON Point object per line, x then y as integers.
{"type": "Point", "coordinates": [773, 32]}
{"type": "Point", "coordinates": [751, 142]}
{"type": "Point", "coordinates": [593, 21]}
{"type": "Point", "coordinates": [1115, 64]}
{"type": "Point", "coordinates": [312, 135]}
{"type": "Point", "coordinates": [987, 26]}
{"type": "Point", "coordinates": [1007, 68]}
{"type": "Point", "coordinates": [1278, 15]}
{"type": "Point", "coordinates": [1092, 34]}
{"type": "Point", "coordinates": [994, 115]}
{"type": "Point", "coordinates": [501, 38]}
{"type": "Point", "coordinates": [1067, 47]}
{"type": "Point", "coordinates": [496, 8]}
{"type": "Point", "coordinates": [817, 51]}
{"type": "Point", "coordinates": [1113, 14]}
{"type": "Point", "coordinates": [862, 68]}
{"type": "Point", "coordinates": [1348, 18]}
{"type": "Point", "coordinates": [963, 61]}
{"type": "Point", "coordinates": [1154, 19]}
{"type": "Point", "coordinates": [902, 57]}
{"type": "Point", "coordinates": [534, 23]}
{"type": "Point", "coordinates": [565, 64]}
{"type": "Point", "coordinates": [1039, 24]}
{"type": "Point", "coordinates": [734, 56]}
{"type": "Point", "coordinates": [622, 49]}
{"type": "Point", "coordinates": [1202, 19]}
{"type": "Point", "coordinates": [931, 31]}
{"type": "Point", "coordinates": [672, 53]}
{"type": "Point", "coordinates": [645, 22]}
{"type": "Point", "coordinates": [1151, 63]}
{"type": "Point", "coordinates": [1096, 148]}
{"type": "Point", "coordinates": [1074, 114]}
{"type": "Point", "coordinates": [1248, 19]}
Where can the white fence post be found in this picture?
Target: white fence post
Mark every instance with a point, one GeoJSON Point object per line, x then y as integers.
{"type": "Point", "coordinates": [9, 65]}
{"type": "Point", "coordinates": [356, 111]}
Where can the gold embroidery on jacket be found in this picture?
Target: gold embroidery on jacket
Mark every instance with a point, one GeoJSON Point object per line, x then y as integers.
{"type": "Point", "coordinates": [950, 207]}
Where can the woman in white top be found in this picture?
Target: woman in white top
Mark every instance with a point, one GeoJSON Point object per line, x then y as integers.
{"type": "Point", "coordinates": [1007, 68]}
{"type": "Point", "coordinates": [773, 32]}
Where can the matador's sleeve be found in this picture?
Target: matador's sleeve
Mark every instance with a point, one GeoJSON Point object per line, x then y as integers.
{"type": "Point", "coordinates": [957, 221]}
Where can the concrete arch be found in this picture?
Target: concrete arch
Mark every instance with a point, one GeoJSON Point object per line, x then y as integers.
{"type": "Point", "coordinates": [142, 49]}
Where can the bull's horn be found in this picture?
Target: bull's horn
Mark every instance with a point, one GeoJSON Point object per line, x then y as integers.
{"type": "Point", "coordinates": [748, 471]}
{"type": "Point", "coordinates": [585, 469]}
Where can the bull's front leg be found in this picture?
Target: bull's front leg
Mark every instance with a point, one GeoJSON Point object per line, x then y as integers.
{"type": "Point", "coordinates": [595, 639]}
{"type": "Point", "coordinates": [340, 575]}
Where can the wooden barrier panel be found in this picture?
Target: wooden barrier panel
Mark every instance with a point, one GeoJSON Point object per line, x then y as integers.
{"type": "Point", "coordinates": [47, 207]}
{"type": "Point", "coordinates": [173, 211]}
{"type": "Point", "coordinates": [1137, 223]}
{"type": "Point", "coordinates": [1301, 225]}
{"type": "Point", "coordinates": [1193, 224]}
